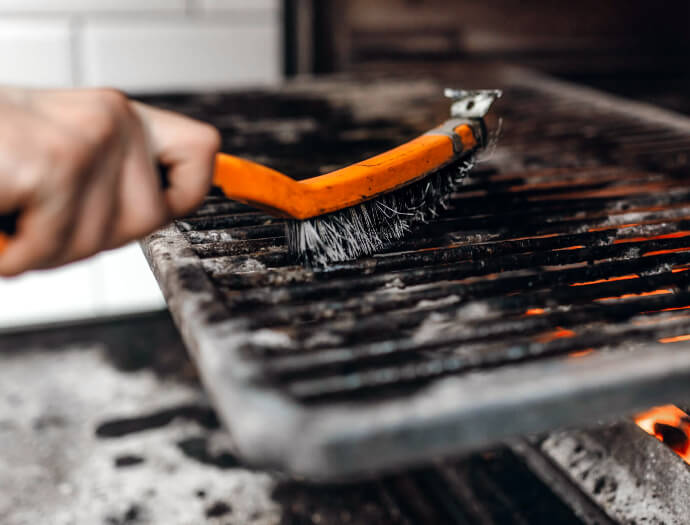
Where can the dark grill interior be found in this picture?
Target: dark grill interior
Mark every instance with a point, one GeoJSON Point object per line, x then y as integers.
{"type": "Point", "coordinates": [572, 238]}
{"type": "Point", "coordinates": [494, 487]}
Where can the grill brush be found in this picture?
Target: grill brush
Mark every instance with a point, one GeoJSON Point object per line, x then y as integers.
{"type": "Point", "coordinates": [363, 208]}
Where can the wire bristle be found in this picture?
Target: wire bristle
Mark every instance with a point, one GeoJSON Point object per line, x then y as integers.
{"type": "Point", "coordinates": [374, 225]}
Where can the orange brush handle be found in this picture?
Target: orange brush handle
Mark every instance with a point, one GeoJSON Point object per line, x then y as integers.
{"type": "Point", "coordinates": [280, 195]}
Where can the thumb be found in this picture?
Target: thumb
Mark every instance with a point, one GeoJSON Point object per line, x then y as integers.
{"type": "Point", "coordinates": [187, 148]}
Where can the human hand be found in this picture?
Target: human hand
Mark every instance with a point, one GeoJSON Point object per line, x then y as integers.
{"type": "Point", "coordinates": [80, 166]}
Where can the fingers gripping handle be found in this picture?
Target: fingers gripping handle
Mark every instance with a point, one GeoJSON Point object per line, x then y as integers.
{"type": "Point", "coordinates": [8, 223]}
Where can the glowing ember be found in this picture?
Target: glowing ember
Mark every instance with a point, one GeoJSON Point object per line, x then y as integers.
{"type": "Point", "coordinates": [576, 247]}
{"type": "Point", "coordinates": [674, 235]}
{"type": "Point", "coordinates": [671, 309]}
{"type": "Point", "coordinates": [608, 227]}
{"type": "Point", "coordinates": [675, 339]}
{"type": "Point", "coordinates": [581, 353]}
{"type": "Point", "coordinates": [655, 320]}
{"type": "Point", "coordinates": [558, 333]}
{"type": "Point", "coordinates": [642, 294]}
{"type": "Point", "coordinates": [664, 252]}
{"type": "Point", "coordinates": [544, 236]}
{"type": "Point", "coordinates": [670, 425]}
{"type": "Point", "coordinates": [610, 279]}
{"type": "Point", "coordinates": [538, 311]}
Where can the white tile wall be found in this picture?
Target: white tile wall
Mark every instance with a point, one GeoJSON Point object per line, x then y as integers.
{"type": "Point", "coordinates": [201, 53]}
{"type": "Point", "coordinates": [238, 4]}
{"type": "Point", "coordinates": [89, 6]}
{"type": "Point", "coordinates": [108, 284]}
{"type": "Point", "coordinates": [35, 52]}
{"type": "Point", "coordinates": [138, 45]}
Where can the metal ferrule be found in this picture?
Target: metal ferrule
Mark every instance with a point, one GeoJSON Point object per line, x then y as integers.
{"type": "Point", "coordinates": [448, 129]}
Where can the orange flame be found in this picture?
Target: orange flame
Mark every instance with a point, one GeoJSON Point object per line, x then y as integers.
{"type": "Point", "coordinates": [537, 311]}
{"type": "Point", "coordinates": [543, 236]}
{"type": "Point", "coordinates": [670, 425]}
{"type": "Point", "coordinates": [675, 339]}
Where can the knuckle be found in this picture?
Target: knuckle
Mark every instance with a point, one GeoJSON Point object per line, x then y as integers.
{"type": "Point", "coordinates": [109, 108]}
{"type": "Point", "coordinates": [103, 127]}
{"type": "Point", "coordinates": [71, 154]}
{"type": "Point", "coordinates": [63, 149]}
{"type": "Point", "coordinates": [58, 147]}
{"type": "Point", "coordinates": [113, 99]}
{"type": "Point", "coordinates": [203, 139]}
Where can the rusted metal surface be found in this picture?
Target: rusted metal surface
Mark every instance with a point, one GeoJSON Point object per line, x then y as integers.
{"type": "Point", "coordinates": [547, 295]}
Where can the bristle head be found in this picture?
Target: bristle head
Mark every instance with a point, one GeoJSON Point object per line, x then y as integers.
{"type": "Point", "coordinates": [374, 225]}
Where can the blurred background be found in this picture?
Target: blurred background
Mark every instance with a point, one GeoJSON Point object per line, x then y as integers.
{"type": "Point", "coordinates": [633, 47]}
{"type": "Point", "coordinates": [141, 46]}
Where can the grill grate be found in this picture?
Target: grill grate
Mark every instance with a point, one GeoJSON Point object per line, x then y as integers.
{"type": "Point", "coordinates": [553, 279]}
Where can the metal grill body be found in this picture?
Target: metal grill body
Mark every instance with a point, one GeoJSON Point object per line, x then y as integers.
{"type": "Point", "coordinates": [552, 292]}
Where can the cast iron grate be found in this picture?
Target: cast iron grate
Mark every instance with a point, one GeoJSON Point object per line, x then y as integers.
{"type": "Point", "coordinates": [549, 289]}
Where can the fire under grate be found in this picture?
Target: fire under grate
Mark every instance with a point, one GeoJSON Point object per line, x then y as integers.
{"type": "Point", "coordinates": [547, 295]}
